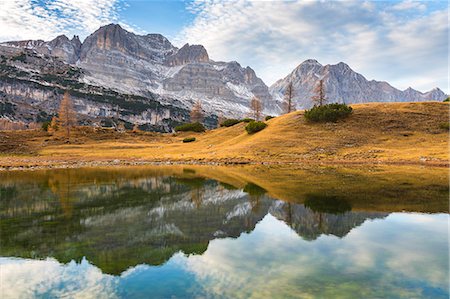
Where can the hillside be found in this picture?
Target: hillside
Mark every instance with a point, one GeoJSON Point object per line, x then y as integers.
{"type": "Point", "coordinates": [394, 133]}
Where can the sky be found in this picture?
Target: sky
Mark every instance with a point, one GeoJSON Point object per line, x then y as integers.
{"type": "Point", "coordinates": [402, 42]}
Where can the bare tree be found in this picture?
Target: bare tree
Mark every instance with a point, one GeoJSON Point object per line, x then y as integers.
{"type": "Point", "coordinates": [136, 128]}
{"type": "Point", "coordinates": [121, 127]}
{"type": "Point", "coordinates": [319, 94]}
{"type": "Point", "coordinates": [256, 108]}
{"type": "Point", "coordinates": [53, 126]}
{"type": "Point", "coordinates": [197, 113]}
{"type": "Point", "coordinates": [220, 120]}
{"type": "Point", "coordinates": [289, 98]}
{"type": "Point", "coordinates": [67, 117]}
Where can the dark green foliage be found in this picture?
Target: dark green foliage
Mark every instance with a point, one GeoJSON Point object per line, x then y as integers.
{"type": "Point", "coordinates": [43, 117]}
{"type": "Point", "coordinates": [254, 189]}
{"type": "Point", "coordinates": [327, 204]}
{"type": "Point", "coordinates": [447, 99]}
{"type": "Point", "coordinates": [6, 108]}
{"type": "Point", "coordinates": [60, 80]}
{"type": "Point", "coordinates": [255, 126]}
{"type": "Point", "coordinates": [269, 117]}
{"type": "Point", "coordinates": [22, 57]}
{"type": "Point", "coordinates": [188, 139]}
{"type": "Point", "coordinates": [229, 122]}
{"type": "Point", "coordinates": [328, 113]}
{"type": "Point", "coordinates": [444, 126]}
{"type": "Point", "coordinates": [193, 183]}
{"type": "Point", "coordinates": [227, 186]}
{"type": "Point", "coordinates": [247, 120]}
{"type": "Point", "coordinates": [192, 127]}
{"type": "Point", "coordinates": [45, 125]}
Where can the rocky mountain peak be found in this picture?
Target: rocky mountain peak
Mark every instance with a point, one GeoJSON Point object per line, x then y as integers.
{"type": "Point", "coordinates": [188, 54]}
{"type": "Point", "coordinates": [343, 66]}
{"type": "Point", "coordinates": [76, 40]}
{"type": "Point", "coordinates": [308, 66]}
{"type": "Point", "coordinates": [310, 61]}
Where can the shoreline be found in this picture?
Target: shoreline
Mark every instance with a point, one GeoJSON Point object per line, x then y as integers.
{"type": "Point", "coordinates": [30, 164]}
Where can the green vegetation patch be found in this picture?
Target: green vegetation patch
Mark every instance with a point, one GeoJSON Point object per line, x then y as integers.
{"type": "Point", "coordinates": [247, 120]}
{"type": "Point", "coordinates": [7, 108]}
{"type": "Point", "coordinates": [189, 139]}
{"type": "Point", "coordinates": [255, 126]}
{"type": "Point", "coordinates": [444, 126]}
{"type": "Point", "coordinates": [230, 122]}
{"type": "Point", "coordinates": [268, 117]}
{"type": "Point", "coordinates": [327, 204]}
{"type": "Point", "coordinates": [192, 127]}
{"type": "Point", "coordinates": [22, 57]}
{"type": "Point", "coordinates": [328, 113]}
{"type": "Point", "coordinates": [253, 189]}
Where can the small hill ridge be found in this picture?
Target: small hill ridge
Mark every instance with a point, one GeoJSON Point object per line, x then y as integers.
{"type": "Point", "coordinates": [377, 133]}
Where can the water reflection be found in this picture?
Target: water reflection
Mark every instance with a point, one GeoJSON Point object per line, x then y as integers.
{"type": "Point", "coordinates": [101, 233]}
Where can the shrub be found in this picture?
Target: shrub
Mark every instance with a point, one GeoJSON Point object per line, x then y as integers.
{"type": "Point", "coordinates": [444, 126]}
{"type": "Point", "coordinates": [189, 139]}
{"type": "Point", "coordinates": [247, 120]}
{"type": "Point", "coordinates": [327, 204]}
{"type": "Point", "coordinates": [269, 117]}
{"type": "Point", "coordinates": [447, 99]}
{"type": "Point", "coordinates": [229, 122]}
{"type": "Point", "coordinates": [253, 189]}
{"type": "Point", "coordinates": [255, 126]}
{"type": "Point", "coordinates": [328, 113]}
{"type": "Point", "coordinates": [193, 127]}
{"type": "Point", "coordinates": [45, 125]}
{"type": "Point", "coordinates": [21, 57]}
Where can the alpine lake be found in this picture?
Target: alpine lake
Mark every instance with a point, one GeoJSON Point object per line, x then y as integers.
{"type": "Point", "coordinates": [225, 232]}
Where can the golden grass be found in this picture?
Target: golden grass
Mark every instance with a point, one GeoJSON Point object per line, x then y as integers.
{"type": "Point", "coordinates": [402, 133]}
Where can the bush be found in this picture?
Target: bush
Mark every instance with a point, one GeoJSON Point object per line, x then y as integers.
{"type": "Point", "coordinates": [247, 120]}
{"type": "Point", "coordinates": [229, 122]}
{"type": "Point", "coordinates": [45, 125]}
{"type": "Point", "coordinates": [193, 127]}
{"type": "Point", "coordinates": [253, 189]}
{"type": "Point", "coordinates": [269, 117]}
{"type": "Point", "coordinates": [189, 139]}
{"type": "Point", "coordinates": [447, 100]}
{"type": "Point", "coordinates": [21, 57]}
{"type": "Point", "coordinates": [327, 204]}
{"type": "Point", "coordinates": [328, 113]}
{"type": "Point", "coordinates": [255, 126]}
{"type": "Point", "coordinates": [444, 126]}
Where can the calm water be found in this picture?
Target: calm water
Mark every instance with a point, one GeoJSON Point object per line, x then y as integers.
{"type": "Point", "coordinates": [213, 233]}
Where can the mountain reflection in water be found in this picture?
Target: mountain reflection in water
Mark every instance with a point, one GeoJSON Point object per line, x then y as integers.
{"type": "Point", "coordinates": [124, 222]}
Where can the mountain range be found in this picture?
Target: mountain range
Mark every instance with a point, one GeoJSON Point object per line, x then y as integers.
{"type": "Point", "coordinates": [343, 85]}
{"type": "Point", "coordinates": [144, 79]}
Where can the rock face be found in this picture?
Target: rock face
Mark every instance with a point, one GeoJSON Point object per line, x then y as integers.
{"type": "Point", "coordinates": [32, 85]}
{"type": "Point", "coordinates": [343, 85]}
{"type": "Point", "coordinates": [60, 47]}
{"type": "Point", "coordinates": [138, 64]}
{"type": "Point", "coordinates": [188, 54]}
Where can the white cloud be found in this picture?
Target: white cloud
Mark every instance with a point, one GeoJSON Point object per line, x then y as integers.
{"type": "Point", "coordinates": [408, 4]}
{"type": "Point", "coordinates": [29, 19]}
{"type": "Point", "coordinates": [26, 278]}
{"type": "Point", "coordinates": [375, 39]}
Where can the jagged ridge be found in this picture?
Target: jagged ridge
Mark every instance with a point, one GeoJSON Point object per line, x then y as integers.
{"type": "Point", "coordinates": [343, 85]}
